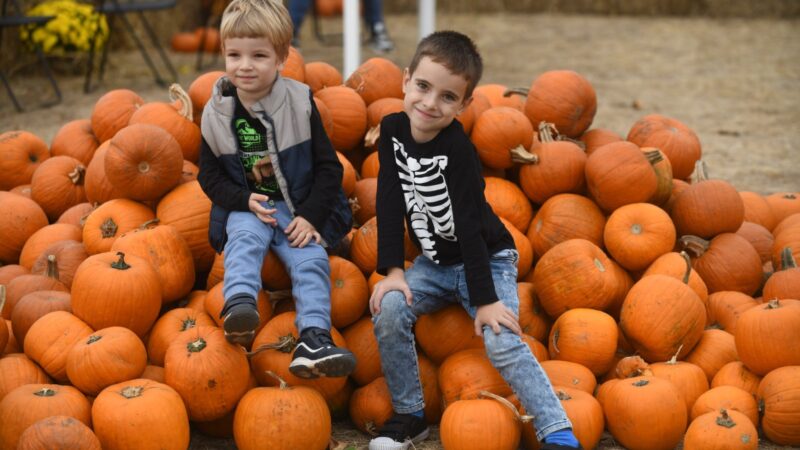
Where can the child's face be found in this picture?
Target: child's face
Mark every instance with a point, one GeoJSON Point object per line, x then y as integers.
{"type": "Point", "coordinates": [433, 97]}
{"type": "Point", "coordinates": [252, 65]}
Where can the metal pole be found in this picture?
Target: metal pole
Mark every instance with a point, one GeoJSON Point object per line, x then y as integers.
{"type": "Point", "coordinates": [352, 37]}
{"type": "Point", "coordinates": [427, 17]}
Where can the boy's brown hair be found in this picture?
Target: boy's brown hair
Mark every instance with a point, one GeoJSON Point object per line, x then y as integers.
{"type": "Point", "coordinates": [453, 50]}
{"type": "Point", "coordinates": [258, 19]}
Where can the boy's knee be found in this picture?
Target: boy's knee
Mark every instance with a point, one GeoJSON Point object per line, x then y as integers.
{"type": "Point", "coordinates": [498, 345]}
{"type": "Point", "coordinates": [248, 237]}
{"type": "Point", "coordinates": [394, 311]}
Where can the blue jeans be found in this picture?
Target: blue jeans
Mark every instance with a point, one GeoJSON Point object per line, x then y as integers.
{"type": "Point", "coordinates": [373, 12]}
{"type": "Point", "coordinates": [435, 287]}
{"type": "Point", "coordinates": [249, 239]}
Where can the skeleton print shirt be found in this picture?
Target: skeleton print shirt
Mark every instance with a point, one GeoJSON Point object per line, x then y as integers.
{"type": "Point", "coordinates": [437, 187]}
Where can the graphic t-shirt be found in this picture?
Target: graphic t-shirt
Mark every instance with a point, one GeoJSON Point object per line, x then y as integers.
{"type": "Point", "coordinates": [254, 153]}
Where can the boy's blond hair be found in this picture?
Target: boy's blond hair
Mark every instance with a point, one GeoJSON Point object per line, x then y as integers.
{"type": "Point", "coordinates": [258, 19]}
{"type": "Point", "coordinates": [453, 50]}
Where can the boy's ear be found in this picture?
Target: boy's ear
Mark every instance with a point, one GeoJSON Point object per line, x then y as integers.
{"type": "Point", "coordinates": [465, 104]}
{"type": "Point", "coordinates": [406, 78]}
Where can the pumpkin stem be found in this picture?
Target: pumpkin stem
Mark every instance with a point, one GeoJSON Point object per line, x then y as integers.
{"type": "Point", "coordinates": [653, 155]}
{"type": "Point", "coordinates": [547, 132]}
{"type": "Point", "coordinates": [694, 244]}
{"type": "Point", "coordinates": [700, 172]}
{"type": "Point", "coordinates": [108, 228]}
{"type": "Point", "coordinates": [520, 154]}
{"type": "Point", "coordinates": [773, 304]}
{"type": "Point", "coordinates": [555, 341]}
{"type": "Point", "coordinates": [688, 262]}
{"type": "Point", "coordinates": [197, 345]}
{"type": "Point", "coordinates": [189, 322]}
{"type": "Point", "coordinates": [52, 267]}
{"type": "Point", "coordinates": [285, 344]}
{"type": "Point", "coordinates": [724, 420]}
{"type": "Point", "coordinates": [45, 392]}
{"type": "Point", "coordinates": [599, 265]}
{"type": "Point", "coordinates": [76, 176]}
{"type": "Point", "coordinates": [132, 391]}
{"type": "Point", "coordinates": [283, 384]}
{"type": "Point", "coordinates": [520, 417]}
{"type": "Point", "coordinates": [562, 395]}
{"type": "Point", "coordinates": [120, 264]}
{"type": "Point", "coordinates": [640, 383]}
{"type": "Point", "coordinates": [515, 91]}
{"type": "Point", "coordinates": [787, 259]}
{"type": "Point", "coordinates": [370, 428]}
{"type": "Point", "coordinates": [674, 359]}
{"type": "Point", "coordinates": [372, 136]}
{"type": "Point", "coordinates": [2, 297]}
{"type": "Point", "coordinates": [147, 224]}
{"type": "Point", "coordinates": [176, 92]}
{"type": "Point", "coordinates": [93, 338]}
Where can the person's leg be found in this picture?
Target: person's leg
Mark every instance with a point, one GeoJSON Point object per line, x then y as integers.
{"type": "Point", "coordinates": [297, 11]}
{"type": "Point", "coordinates": [433, 288]}
{"type": "Point", "coordinates": [379, 39]}
{"type": "Point", "coordinates": [512, 357]}
{"type": "Point", "coordinates": [248, 241]}
{"type": "Point", "coordinates": [309, 269]}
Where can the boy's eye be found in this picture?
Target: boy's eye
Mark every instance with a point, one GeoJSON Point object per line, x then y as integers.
{"type": "Point", "coordinates": [422, 85]}
{"type": "Point", "coordinates": [450, 97]}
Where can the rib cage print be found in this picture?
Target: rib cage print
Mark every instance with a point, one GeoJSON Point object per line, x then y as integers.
{"type": "Point", "coordinates": [427, 200]}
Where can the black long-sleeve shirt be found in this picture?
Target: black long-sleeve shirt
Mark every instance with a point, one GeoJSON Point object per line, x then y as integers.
{"type": "Point", "coordinates": [437, 187]}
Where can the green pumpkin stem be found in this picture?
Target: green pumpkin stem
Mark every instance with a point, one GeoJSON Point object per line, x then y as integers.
{"type": "Point", "coordinates": [93, 338]}
{"type": "Point", "coordinates": [282, 383]}
{"type": "Point", "coordinates": [2, 297]}
{"type": "Point", "coordinates": [724, 419]}
{"type": "Point", "coordinates": [130, 392]}
{"type": "Point", "coordinates": [700, 172]}
{"type": "Point", "coordinates": [688, 262]}
{"type": "Point", "coordinates": [77, 175]}
{"type": "Point", "coordinates": [120, 264]}
{"type": "Point", "coordinates": [197, 345]}
{"type": "Point", "coordinates": [285, 344]}
{"type": "Point", "coordinates": [45, 392]}
{"type": "Point", "coordinates": [521, 155]}
{"type": "Point", "coordinates": [787, 259]}
{"type": "Point", "coordinates": [547, 132]}
{"type": "Point", "coordinates": [695, 244]}
{"type": "Point", "coordinates": [52, 267]}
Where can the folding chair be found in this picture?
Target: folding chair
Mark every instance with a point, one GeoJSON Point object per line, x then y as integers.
{"type": "Point", "coordinates": [120, 8]}
{"type": "Point", "coordinates": [323, 38]}
{"type": "Point", "coordinates": [17, 18]}
{"type": "Point", "coordinates": [211, 16]}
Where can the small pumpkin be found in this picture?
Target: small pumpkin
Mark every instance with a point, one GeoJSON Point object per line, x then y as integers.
{"type": "Point", "coordinates": [564, 98]}
{"type": "Point", "coordinates": [618, 174]}
{"type": "Point", "coordinates": [176, 118]}
{"type": "Point", "coordinates": [294, 66]}
{"type": "Point", "coordinates": [58, 432]}
{"type": "Point", "coordinates": [577, 327]}
{"type": "Point", "coordinates": [723, 430]}
{"type": "Point", "coordinates": [736, 374]}
{"type": "Point", "coordinates": [376, 78]}
{"type": "Point", "coordinates": [779, 393]}
{"type": "Point", "coordinates": [169, 326]}
{"type": "Point", "coordinates": [446, 332]}
{"type": "Point", "coordinates": [349, 292]}
{"type": "Point", "coordinates": [111, 220]}
{"type": "Point", "coordinates": [349, 113]}
{"type": "Point", "coordinates": [563, 217]}
{"type": "Point", "coordinates": [498, 133]}
{"type": "Point", "coordinates": [58, 184]}
{"type": "Point", "coordinates": [707, 207]}
{"type": "Point", "coordinates": [76, 139]}
{"type": "Point", "coordinates": [22, 152]}
{"type": "Point", "coordinates": [678, 142]}
{"type": "Point", "coordinates": [371, 406]}
{"type": "Point", "coordinates": [728, 397]}
{"type": "Point", "coordinates": [108, 356]}
{"type": "Point", "coordinates": [19, 370]}
{"type": "Point", "coordinates": [765, 336]}
{"type": "Point", "coordinates": [726, 263]}
{"type": "Point", "coordinates": [320, 75]}
{"type": "Point", "coordinates": [112, 111]}
{"type": "Point", "coordinates": [465, 422]}
{"type": "Point", "coordinates": [637, 234]}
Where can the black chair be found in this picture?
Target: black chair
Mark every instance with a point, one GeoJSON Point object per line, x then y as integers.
{"type": "Point", "coordinates": [211, 16]}
{"type": "Point", "coordinates": [13, 17]}
{"type": "Point", "coordinates": [120, 9]}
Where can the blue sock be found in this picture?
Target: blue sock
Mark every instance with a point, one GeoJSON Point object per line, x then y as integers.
{"type": "Point", "coordinates": [420, 414]}
{"type": "Point", "coordinates": [562, 437]}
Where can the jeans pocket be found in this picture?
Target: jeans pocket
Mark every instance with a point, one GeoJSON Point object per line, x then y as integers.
{"type": "Point", "coordinates": [509, 255]}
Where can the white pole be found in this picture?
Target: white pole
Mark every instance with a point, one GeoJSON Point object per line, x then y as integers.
{"type": "Point", "coordinates": [427, 17]}
{"type": "Point", "coordinates": [352, 37]}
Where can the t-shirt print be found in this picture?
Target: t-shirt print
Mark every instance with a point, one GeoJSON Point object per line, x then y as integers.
{"type": "Point", "coordinates": [427, 199]}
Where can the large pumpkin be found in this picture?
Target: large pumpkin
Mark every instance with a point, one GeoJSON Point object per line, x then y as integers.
{"type": "Point", "coordinates": [76, 139]}
{"type": "Point", "coordinates": [618, 174]}
{"type": "Point", "coordinates": [376, 78]}
{"type": "Point", "coordinates": [707, 207]}
{"type": "Point", "coordinates": [563, 98]}
{"type": "Point", "coordinates": [51, 337]}
{"type": "Point", "coordinates": [187, 208]}
{"type": "Point", "coordinates": [140, 414]}
{"type": "Point", "coordinates": [349, 112]}
{"type": "Point", "coordinates": [638, 233]}
{"type": "Point", "coordinates": [585, 336]}
{"type": "Point", "coordinates": [110, 355]}
{"type": "Point", "coordinates": [56, 432]}
{"type": "Point", "coordinates": [563, 217]}
{"type": "Point", "coordinates": [111, 220]}
{"type": "Point", "coordinates": [464, 425]}
{"type": "Point", "coordinates": [20, 219]}
{"type": "Point", "coordinates": [22, 153]}
{"type": "Point", "coordinates": [721, 430]}
{"type": "Point", "coordinates": [58, 184]}
{"type": "Point", "coordinates": [498, 133]}
{"type": "Point", "coordinates": [779, 393]}
{"type": "Point", "coordinates": [175, 118]}
{"type": "Point", "coordinates": [114, 289]}
{"type": "Point", "coordinates": [678, 142]}
{"type": "Point", "coordinates": [112, 112]}
{"type": "Point", "coordinates": [765, 336]}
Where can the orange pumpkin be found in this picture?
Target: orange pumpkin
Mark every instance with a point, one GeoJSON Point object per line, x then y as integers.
{"type": "Point", "coordinates": [727, 263]}
{"type": "Point", "coordinates": [186, 208]}
{"type": "Point", "coordinates": [200, 91]}
{"type": "Point", "coordinates": [465, 422]}
{"type": "Point", "coordinates": [662, 316]}
{"type": "Point", "coordinates": [721, 430]}
{"type": "Point", "coordinates": [532, 319]}
{"type": "Point", "coordinates": [500, 133]}
{"type": "Point", "coordinates": [57, 185]}
{"type": "Point", "coordinates": [464, 374]}
{"type": "Point", "coordinates": [760, 238]}
{"type": "Point", "coordinates": [508, 202]}
{"type": "Point", "coordinates": [361, 340]}
{"type": "Point", "coordinates": [689, 378]}
{"type": "Point", "coordinates": [295, 66]}
{"type": "Point", "coordinates": [376, 111]}
{"type": "Point", "coordinates": [349, 176]}
{"type": "Point", "coordinates": [679, 266]}
{"type": "Point", "coordinates": [470, 114]}
{"type": "Point", "coordinates": [707, 207]}
{"type": "Point", "coordinates": [371, 406]}
{"type": "Point", "coordinates": [45, 237]}
{"type": "Point", "coordinates": [349, 292]}
{"type": "Point", "coordinates": [171, 325]}
{"type": "Point", "coordinates": [376, 78]}
{"type": "Point", "coordinates": [363, 199]}
{"type": "Point", "coordinates": [728, 397]}
{"type": "Point", "coordinates": [112, 111]}
{"type": "Point", "coordinates": [778, 392]}
{"type": "Point", "coordinates": [725, 308]}
{"type": "Point", "coordinates": [523, 246]}
{"type": "Point", "coordinates": [551, 167]}
{"type": "Point", "coordinates": [214, 302]}
{"type": "Point", "coordinates": [30, 403]}
{"type": "Point", "coordinates": [186, 42]}
{"type": "Point", "coordinates": [585, 414]}
{"type": "Point", "coordinates": [618, 174]}
{"type": "Point", "coordinates": [261, 420]}
{"type": "Point", "coordinates": [784, 283]}
{"type": "Point", "coordinates": [22, 152]}
{"type": "Point", "coordinates": [597, 137]}
{"type": "Point", "coordinates": [210, 374]}
{"type": "Point", "coordinates": [349, 113]}
{"type": "Point", "coordinates": [364, 246]}
{"type": "Point", "coordinates": [569, 374]}
{"type": "Point", "coordinates": [25, 284]}
{"type": "Point", "coordinates": [563, 217]}
{"type": "Point", "coordinates": [787, 237]}
{"type": "Point", "coordinates": [21, 218]}
{"type": "Point", "coordinates": [715, 349]}
{"type": "Point", "coordinates": [114, 289]}
{"type": "Point", "coordinates": [320, 75]}
{"type": "Point", "coordinates": [736, 374]}
{"type": "Point", "coordinates": [32, 306]}
{"type": "Point", "coordinates": [58, 432]}
{"type": "Point", "coordinates": [110, 355]}
{"type": "Point", "coordinates": [563, 98]}
{"type": "Point", "coordinates": [175, 118]}
{"type": "Point", "coordinates": [68, 255]}
{"type": "Point", "coordinates": [19, 370]}
{"type": "Point", "coordinates": [784, 204]}
{"type": "Point", "coordinates": [500, 95]}
{"type": "Point", "coordinates": [574, 329]}
{"type": "Point", "coordinates": [445, 332]}
{"type": "Point", "coordinates": [637, 234]}
{"type": "Point", "coordinates": [76, 214]}
{"type": "Point", "coordinates": [144, 161]}
{"type": "Point", "coordinates": [765, 336]}
{"type": "Point", "coordinates": [138, 414]}
{"type": "Point", "coordinates": [76, 139]}
{"type": "Point", "coordinates": [98, 187]}
{"type": "Point", "coordinates": [678, 142]}
{"type": "Point", "coordinates": [50, 338]}
{"type": "Point", "coordinates": [111, 220]}
{"type": "Point", "coordinates": [758, 210]}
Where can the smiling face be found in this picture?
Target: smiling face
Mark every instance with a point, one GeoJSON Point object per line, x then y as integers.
{"type": "Point", "coordinates": [252, 64]}
{"type": "Point", "coordinates": [434, 96]}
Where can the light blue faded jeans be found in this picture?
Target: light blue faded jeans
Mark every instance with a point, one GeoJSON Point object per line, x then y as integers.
{"type": "Point", "coordinates": [249, 239]}
{"type": "Point", "coordinates": [435, 287]}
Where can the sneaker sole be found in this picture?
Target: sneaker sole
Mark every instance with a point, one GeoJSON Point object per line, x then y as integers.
{"type": "Point", "coordinates": [385, 443]}
{"type": "Point", "coordinates": [331, 366]}
{"type": "Point", "coordinates": [241, 328]}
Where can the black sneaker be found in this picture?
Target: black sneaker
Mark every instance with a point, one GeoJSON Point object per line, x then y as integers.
{"type": "Point", "coordinates": [241, 319]}
{"type": "Point", "coordinates": [379, 40]}
{"type": "Point", "coordinates": [317, 356]}
{"type": "Point", "coordinates": [400, 432]}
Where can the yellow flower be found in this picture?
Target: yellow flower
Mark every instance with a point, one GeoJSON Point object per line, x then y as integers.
{"type": "Point", "coordinates": [73, 27]}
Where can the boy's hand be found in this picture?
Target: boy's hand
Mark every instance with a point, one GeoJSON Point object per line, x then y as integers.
{"type": "Point", "coordinates": [264, 214]}
{"type": "Point", "coordinates": [300, 232]}
{"type": "Point", "coordinates": [395, 281]}
{"type": "Point", "coordinates": [262, 169]}
{"type": "Point", "coordinates": [494, 315]}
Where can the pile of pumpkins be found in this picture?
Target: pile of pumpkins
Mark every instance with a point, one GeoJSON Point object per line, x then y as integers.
{"type": "Point", "coordinates": [664, 306]}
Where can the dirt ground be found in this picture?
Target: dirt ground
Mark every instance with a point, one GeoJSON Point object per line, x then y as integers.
{"type": "Point", "coordinates": [736, 82]}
